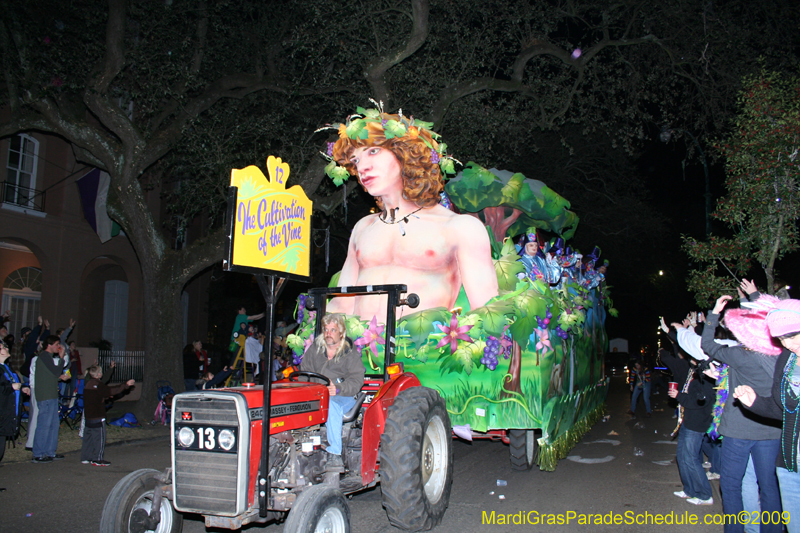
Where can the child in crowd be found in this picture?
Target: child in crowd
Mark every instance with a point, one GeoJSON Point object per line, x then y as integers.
{"type": "Point", "coordinates": [94, 435]}
{"type": "Point", "coordinates": [211, 381]}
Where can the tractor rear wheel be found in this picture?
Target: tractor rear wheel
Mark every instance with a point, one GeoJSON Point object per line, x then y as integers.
{"type": "Point", "coordinates": [416, 456]}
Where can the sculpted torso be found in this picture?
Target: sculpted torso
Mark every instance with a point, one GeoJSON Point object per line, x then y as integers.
{"type": "Point", "coordinates": [426, 259]}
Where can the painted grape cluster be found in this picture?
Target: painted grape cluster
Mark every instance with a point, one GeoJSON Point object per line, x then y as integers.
{"type": "Point", "coordinates": [490, 353]}
{"type": "Point", "coordinates": [543, 323]}
{"type": "Point", "coordinates": [505, 343]}
{"type": "Point", "coordinates": [301, 308]}
{"type": "Point", "coordinates": [494, 348]}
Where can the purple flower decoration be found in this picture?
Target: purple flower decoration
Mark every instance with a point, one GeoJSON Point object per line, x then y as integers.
{"type": "Point", "coordinates": [330, 149]}
{"type": "Point", "coordinates": [453, 334]}
{"type": "Point", "coordinates": [383, 122]}
{"type": "Point", "coordinates": [576, 53]}
{"type": "Point", "coordinates": [434, 157]}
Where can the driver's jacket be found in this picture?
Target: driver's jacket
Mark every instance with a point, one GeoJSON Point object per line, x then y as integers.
{"type": "Point", "coordinates": [345, 372]}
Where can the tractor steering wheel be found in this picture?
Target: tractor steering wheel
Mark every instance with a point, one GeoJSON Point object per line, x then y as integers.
{"type": "Point", "coordinates": [293, 375]}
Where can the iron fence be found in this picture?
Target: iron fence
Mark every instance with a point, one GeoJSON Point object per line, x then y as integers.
{"type": "Point", "coordinates": [129, 364]}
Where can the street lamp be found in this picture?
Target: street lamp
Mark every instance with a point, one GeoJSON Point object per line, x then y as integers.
{"type": "Point", "coordinates": [665, 136]}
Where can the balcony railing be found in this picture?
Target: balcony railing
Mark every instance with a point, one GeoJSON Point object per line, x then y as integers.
{"type": "Point", "coordinates": [129, 364]}
{"type": "Point", "coordinates": [24, 197]}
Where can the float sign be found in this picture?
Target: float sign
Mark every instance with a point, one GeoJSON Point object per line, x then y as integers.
{"type": "Point", "coordinates": [269, 226]}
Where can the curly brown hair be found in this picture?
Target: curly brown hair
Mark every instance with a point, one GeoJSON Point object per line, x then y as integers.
{"type": "Point", "coordinates": [422, 178]}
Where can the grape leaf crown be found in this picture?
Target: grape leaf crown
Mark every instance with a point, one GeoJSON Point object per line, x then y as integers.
{"type": "Point", "coordinates": [393, 127]}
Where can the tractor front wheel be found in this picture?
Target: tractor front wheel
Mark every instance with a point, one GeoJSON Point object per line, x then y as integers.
{"type": "Point", "coordinates": [416, 456]}
{"type": "Point", "coordinates": [130, 502]}
{"type": "Point", "coordinates": [319, 509]}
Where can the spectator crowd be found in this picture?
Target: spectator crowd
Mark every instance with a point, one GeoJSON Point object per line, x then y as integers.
{"type": "Point", "coordinates": [736, 379]}
{"type": "Point", "coordinates": [41, 379]}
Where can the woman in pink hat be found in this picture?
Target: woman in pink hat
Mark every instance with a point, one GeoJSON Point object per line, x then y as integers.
{"type": "Point", "coordinates": [746, 435]}
{"type": "Point", "coordinates": [783, 322]}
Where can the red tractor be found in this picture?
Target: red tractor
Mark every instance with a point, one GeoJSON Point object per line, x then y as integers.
{"type": "Point", "coordinates": [398, 434]}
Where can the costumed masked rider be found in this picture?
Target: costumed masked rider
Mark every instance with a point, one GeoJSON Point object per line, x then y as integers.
{"type": "Point", "coordinates": [334, 356]}
{"type": "Point", "coordinates": [568, 262]}
{"type": "Point", "coordinates": [537, 264]}
{"type": "Point", "coordinates": [590, 277]}
{"type": "Point", "coordinates": [554, 251]}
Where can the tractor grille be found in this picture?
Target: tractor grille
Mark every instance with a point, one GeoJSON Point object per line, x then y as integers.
{"type": "Point", "coordinates": [205, 481]}
{"type": "Point", "coordinates": [215, 481]}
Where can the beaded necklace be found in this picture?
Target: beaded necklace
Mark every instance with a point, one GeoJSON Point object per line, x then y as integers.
{"type": "Point", "coordinates": [786, 390]}
{"type": "Point", "coordinates": [399, 220]}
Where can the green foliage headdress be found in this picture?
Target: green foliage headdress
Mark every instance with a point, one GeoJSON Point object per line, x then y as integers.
{"type": "Point", "coordinates": [370, 127]}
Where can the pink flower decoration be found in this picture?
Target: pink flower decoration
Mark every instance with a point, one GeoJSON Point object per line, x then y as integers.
{"type": "Point", "coordinates": [544, 339]}
{"type": "Point", "coordinates": [307, 342]}
{"type": "Point", "coordinates": [372, 336]}
{"type": "Point", "coordinates": [453, 334]}
{"type": "Point", "coordinates": [576, 53]}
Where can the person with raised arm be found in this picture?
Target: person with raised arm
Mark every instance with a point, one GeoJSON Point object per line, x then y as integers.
{"type": "Point", "coordinates": [745, 434]}
{"type": "Point", "coordinates": [783, 401]}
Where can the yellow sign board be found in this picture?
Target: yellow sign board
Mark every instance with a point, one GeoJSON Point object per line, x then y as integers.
{"type": "Point", "coordinates": [272, 225]}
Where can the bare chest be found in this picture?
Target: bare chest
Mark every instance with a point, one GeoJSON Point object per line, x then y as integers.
{"type": "Point", "coordinates": [424, 246]}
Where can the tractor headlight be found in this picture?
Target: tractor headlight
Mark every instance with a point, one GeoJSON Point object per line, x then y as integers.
{"type": "Point", "coordinates": [226, 439]}
{"type": "Point", "coordinates": [186, 437]}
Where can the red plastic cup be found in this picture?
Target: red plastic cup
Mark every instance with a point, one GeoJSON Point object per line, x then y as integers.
{"type": "Point", "coordinates": [673, 386]}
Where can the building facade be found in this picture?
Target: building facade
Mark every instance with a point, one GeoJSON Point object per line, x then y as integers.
{"type": "Point", "coordinates": [53, 263]}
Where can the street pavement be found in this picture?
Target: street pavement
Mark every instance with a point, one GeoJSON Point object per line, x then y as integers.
{"type": "Point", "coordinates": [67, 496]}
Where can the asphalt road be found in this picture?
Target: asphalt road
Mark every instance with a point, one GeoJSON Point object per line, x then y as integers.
{"type": "Point", "coordinates": [67, 496]}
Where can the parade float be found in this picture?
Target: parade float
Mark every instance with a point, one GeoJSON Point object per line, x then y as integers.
{"type": "Point", "coordinates": [527, 366]}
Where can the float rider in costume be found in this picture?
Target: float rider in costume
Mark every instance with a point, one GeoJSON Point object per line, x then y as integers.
{"type": "Point", "coordinates": [537, 264]}
{"type": "Point", "coordinates": [591, 278]}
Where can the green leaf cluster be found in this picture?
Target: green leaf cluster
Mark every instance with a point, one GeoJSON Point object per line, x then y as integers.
{"type": "Point", "coordinates": [476, 188]}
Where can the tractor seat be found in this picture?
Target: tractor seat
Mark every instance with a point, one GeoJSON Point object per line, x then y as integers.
{"type": "Point", "coordinates": [352, 414]}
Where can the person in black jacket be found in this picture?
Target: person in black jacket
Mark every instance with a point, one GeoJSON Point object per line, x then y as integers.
{"type": "Point", "coordinates": [675, 360]}
{"type": "Point", "coordinates": [697, 398]}
{"type": "Point", "coordinates": [191, 367]}
{"type": "Point", "coordinates": [31, 345]}
{"type": "Point", "coordinates": [10, 389]}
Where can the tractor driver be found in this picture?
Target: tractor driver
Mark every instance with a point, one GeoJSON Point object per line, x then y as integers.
{"type": "Point", "coordinates": [334, 356]}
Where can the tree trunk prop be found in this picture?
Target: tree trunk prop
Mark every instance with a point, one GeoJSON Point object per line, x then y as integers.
{"type": "Point", "coordinates": [511, 382]}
